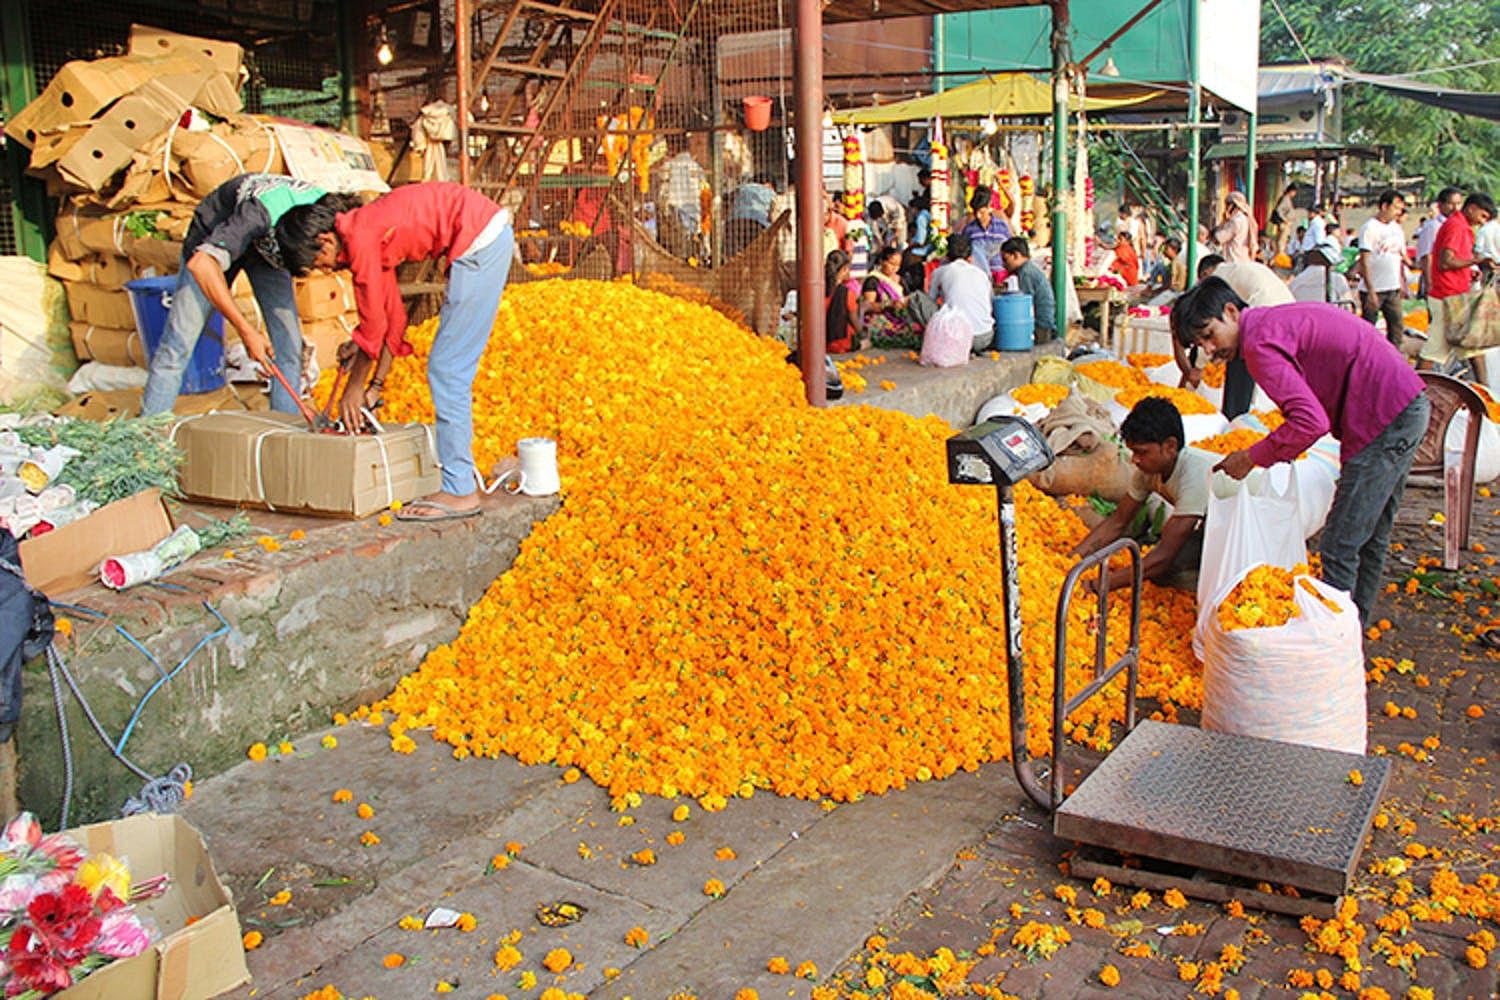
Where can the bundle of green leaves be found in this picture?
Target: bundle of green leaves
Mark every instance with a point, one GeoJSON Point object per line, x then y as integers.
{"type": "Point", "coordinates": [118, 458]}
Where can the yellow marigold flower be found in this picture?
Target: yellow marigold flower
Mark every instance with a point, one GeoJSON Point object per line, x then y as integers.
{"type": "Point", "coordinates": [1065, 893]}
{"type": "Point", "coordinates": [343, 795]}
{"type": "Point", "coordinates": [874, 977]}
{"type": "Point", "coordinates": [676, 837]}
{"type": "Point", "coordinates": [369, 838]}
{"type": "Point", "coordinates": [1187, 971]}
{"type": "Point", "coordinates": [779, 966]}
{"type": "Point", "coordinates": [1355, 778]}
{"type": "Point", "coordinates": [713, 887]}
{"type": "Point", "coordinates": [64, 627]}
{"type": "Point", "coordinates": [257, 752]}
{"type": "Point", "coordinates": [410, 923]}
{"type": "Point", "coordinates": [1174, 899]}
{"type": "Point", "coordinates": [364, 811]}
{"type": "Point", "coordinates": [681, 813]}
{"type": "Point", "coordinates": [285, 747]}
{"type": "Point", "coordinates": [1477, 957]}
{"type": "Point", "coordinates": [557, 960]}
{"type": "Point", "coordinates": [1140, 900]}
{"type": "Point", "coordinates": [746, 993]}
{"type": "Point", "coordinates": [645, 856]}
{"type": "Point", "coordinates": [252, 940]}
{"type": "Point", "coordinates": [394, 960]}
{"type": "Point", "coordinates": [806, 970]}
{"type": "Point", "coordinates": [443, 986]}
{"type": "Point", "coordinates": [1109, 976]}
{"type": "Point", "coordinates": [725, 854]}
{"type": "Point", "coordinates": [526, 980]}
{"type": "Point", "coordinates": [330, 741]}
{"type": "Point", "coordinates": [637, 937]}
{"type": "Point", "coordinates": [340, 719]}
{"type": "Point", "coordinates": [571, 775]}
{"type": "Point", "coordinates": [507, 958]}
{"type": "Point", "coordinates": [1102, 887]}
{"type": "Point", "coordinates": [467, 922]}
{"type": "Point", "coordinates": [281, 898]}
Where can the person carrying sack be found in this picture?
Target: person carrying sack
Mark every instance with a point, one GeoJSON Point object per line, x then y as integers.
{"type": "Point", "coordinates": [1450, 295]}
{"type": "Point", "coordinates": [1328, 371]}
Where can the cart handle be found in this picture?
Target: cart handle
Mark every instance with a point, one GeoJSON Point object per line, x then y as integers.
{"type": "Point", "coordinates": [1049, 798]}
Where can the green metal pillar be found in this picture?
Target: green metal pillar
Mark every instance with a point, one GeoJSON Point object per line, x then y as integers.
{"type": "Point", "coordinates": [28, 207]}
{"type": "Point", "coordinates": [1250, 164]}
{"type": "Point", "coordinates": [348, 113]}
{"type": "Point", "coordinates": [1195, 143]}
{"type": "Point", "coordinates": [939, 47]}
{"type": "Point", "coordinates": [1060, 88]}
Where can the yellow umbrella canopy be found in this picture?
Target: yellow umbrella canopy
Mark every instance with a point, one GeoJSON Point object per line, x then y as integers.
{"type": "Point", "coordinates": [1004, 95]}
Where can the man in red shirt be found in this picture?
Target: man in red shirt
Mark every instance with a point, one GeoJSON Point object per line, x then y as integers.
{"type": "Point", "coordinates": [416, 222]}
{"type": "Point", "coordinates": [1453, 274]}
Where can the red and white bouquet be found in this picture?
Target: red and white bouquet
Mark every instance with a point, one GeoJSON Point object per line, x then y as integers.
{"type": "Point", "coordinates": [63, 915]}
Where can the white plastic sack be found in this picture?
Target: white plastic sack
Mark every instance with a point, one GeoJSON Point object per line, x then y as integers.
{"type": "Point", "coordinates": [1198, 426]}
{"type": "Point", "coordinates": [947, 340]}
{"type": "Point", "coordinates": [1247, 523]}
{"type": "Point", "coordinates": [1486, 459]}
{"type": "Point", "coordinates": [93, 376]}
{"type": "Point", "coordinates": [1005, 405]}
{"type": "Point", "coordinates": [36, 350]}
{"type": "Point", "coordinates": [1302, 682]}
{"type": "Point", "coordinates": [1167, 374]}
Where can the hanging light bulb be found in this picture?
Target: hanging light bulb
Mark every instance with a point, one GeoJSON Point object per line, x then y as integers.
{"type": "Point", "coordinates": [989, 126]}
{"type": "Point", "coordinates": [827, 120]}
{"type": "Point", "coordinates": [384, 52]}
{"type": "Point", "coordinates": [484, 103]}
{"type": "Point", "coordinates": [1109, 68]}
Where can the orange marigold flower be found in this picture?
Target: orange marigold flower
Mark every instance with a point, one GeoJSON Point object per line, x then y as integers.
{"type": "Point", "coordinates": [779, 966]}
{"type": "Point", "coordinates": [637, 937]}
{"type": "Point", "coordinates": [281, 898]}
{"type": "Point", "coordinates": [467, 922]}
{"type": "Point", "coordinates": [557, 960]}
{"type": "Point", "coordinates": [1109, 976]}
{"type": "Point", "coordinates": [369, 838]}
{"type": "Point", "coordinates": [394, 960]}
{"type": "Point", "coordinates": [725, 854]}
{"type": "Point", "coordinates": [257, 752]}
{"type": "Point", "coordinates": [806, 970]}
{"type": "Point", "coordinates": [681, 813]}
{"type": "Point", "coordinates": [1475, 711]}
{"type": "Point", "coordinates": [645, 856]}
{"type": "Point", "coordinates": [252, 940]}
{"type": "Point", "coordinates": [507, 958]}
{"type": "Point", "coordinates": [676, 837]}
{"type": "Point", "coordinates": [364, 811]}
{"type": "Point", "coordinates": [713, 887]}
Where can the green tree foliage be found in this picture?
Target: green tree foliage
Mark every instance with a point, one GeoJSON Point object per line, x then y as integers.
{"type": "Point", "coordinates": [1405, 36]}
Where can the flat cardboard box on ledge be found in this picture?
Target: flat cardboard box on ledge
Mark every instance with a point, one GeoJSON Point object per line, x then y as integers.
{"type": "Point", "coordinates": [189, 961]}
{"type": "Point", "coordinates": [67, 558]}
{"type": "Point", "coordinates": [272, 460]}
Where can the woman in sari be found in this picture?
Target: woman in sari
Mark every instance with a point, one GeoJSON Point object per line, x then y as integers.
{"type": "Point", "coordinates": [887, 321]}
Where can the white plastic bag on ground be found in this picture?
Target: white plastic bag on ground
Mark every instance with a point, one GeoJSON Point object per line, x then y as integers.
{"type": "Point", "coordinates": [92, 376]}
{"type": "Point", "coordinates": [1302, 682]}
{"type": "Point", "coordinates": [1005, 405]}
{"type": "Point", "coordinates": [1246, 525]}
{"type": "Point", "coordinates": [1486, 459]}
{"type": "Point", "coordinates": [947, 339]}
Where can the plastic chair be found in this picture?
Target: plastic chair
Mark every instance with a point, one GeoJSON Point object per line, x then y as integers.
{"type": "Point", "coordinates": [1449, 396]}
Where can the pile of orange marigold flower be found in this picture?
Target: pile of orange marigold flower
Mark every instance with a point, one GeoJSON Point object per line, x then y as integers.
{"type": "Point", "coordinates": [1047, 393]}
{"type": "Point", "coordinates": [1112, 373]}
{"type": "Point", "coordinates": [1186, 401]}
{"type": "Point", "coordinates": [742, 592]}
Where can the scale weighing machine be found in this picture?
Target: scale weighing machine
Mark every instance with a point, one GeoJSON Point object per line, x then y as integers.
{"type": "Point", "coordinates": [1189, 809]}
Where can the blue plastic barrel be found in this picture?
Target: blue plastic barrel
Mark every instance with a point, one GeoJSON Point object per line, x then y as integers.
{"type": "Point", "coordinates": [1015, 325]}
{"type": "Point", "coordinates": [151, 300]}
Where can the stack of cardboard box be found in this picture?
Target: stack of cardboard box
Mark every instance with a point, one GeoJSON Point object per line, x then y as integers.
{"type": "Point", "coordinates": [130, 145]}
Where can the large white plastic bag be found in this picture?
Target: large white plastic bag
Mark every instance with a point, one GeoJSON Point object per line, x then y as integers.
{"type": "Point", "coordinates": [1302, 682]}
{"type": "Point", "coordinates": [1247, 523]}
{"type": "Point", "coordinates": [1486, 459]}
{"type": "Point", "coordinates": [1005, 405]}
{"type": "Point", "coordinates": [947, 340]}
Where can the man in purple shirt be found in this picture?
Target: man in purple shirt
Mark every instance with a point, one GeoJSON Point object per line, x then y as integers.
{"type": "Point", "coordinates": [1328, 371]}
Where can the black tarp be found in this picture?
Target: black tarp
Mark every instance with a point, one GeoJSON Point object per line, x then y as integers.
{"type": "Point", "coordinates": [1465, 102]}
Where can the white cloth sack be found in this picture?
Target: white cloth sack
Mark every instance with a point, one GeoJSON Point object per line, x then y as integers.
{"type": "Point", "coordinates": [94, 376]}
{"type": "Point", "coordinates": [948, 339]}
{"type": "Point", "coordinates": [1246, 524]}
{"type": "Point", "coordinates": [1005, 405]}
{"type": "Point", "coordinates": [1302, 682]}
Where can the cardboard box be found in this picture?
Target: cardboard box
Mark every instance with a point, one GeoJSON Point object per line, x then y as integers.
{"type": "Point", "coordinates": [104, 270]}
{"type": "Point", "coordinates": [325, 336]}
{"type": "Point", "coordinates": [82, 88]}
{"type": "Point", "coordinates": [205, 160]}
{"type": "Point", "coordinates": [188, 962]}
{"type": "Point", "coordinates": [162, 257]}
{"type": "Point", "coordinates": [324, 294]}
{"type": "Point", "coordinates": [224, 57]}
{"type": "Point", "coordinates": [67, 558]}
{"type": "Point", "coordinates": [273, 460]}
{"type": "Point", "coordinates": [107, 344]}
{"type": "Point", "coordinates": [99, 306]}
{"type": "Point", "coordinates": [130, 124]}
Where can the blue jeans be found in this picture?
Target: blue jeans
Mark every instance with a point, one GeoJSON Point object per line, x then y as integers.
{"type": "Point", "coordinates": [1358, 529]}
{"type": "Point", "coordinates": [191, 311]}
{"type": "Point", "coordinates": [475, 283]}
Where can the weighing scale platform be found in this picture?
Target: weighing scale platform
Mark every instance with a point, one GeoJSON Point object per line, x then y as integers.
{"type": "Point", "coordinates": [1263, 810]}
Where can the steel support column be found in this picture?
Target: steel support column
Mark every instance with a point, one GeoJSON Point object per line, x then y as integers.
{"type": "Point", "coordinates": [1250, 166]}
{"type": "Point", "coordinates": [807, 94]}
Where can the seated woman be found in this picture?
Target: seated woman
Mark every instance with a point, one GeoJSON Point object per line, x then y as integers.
{"type": "Point", "coordinates": [841, 303]}
{"type": "Point", "coordinates": [887, 321]}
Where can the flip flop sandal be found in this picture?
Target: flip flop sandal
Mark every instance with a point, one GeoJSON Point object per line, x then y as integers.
{"type": "Point", "coordinates": [1489, 639]}
{"type": "Point", "coordinates": [445, 512]}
